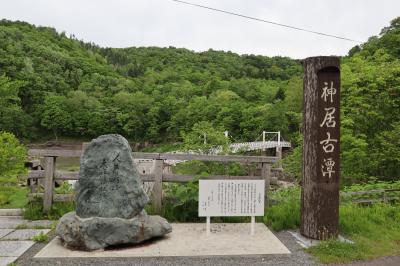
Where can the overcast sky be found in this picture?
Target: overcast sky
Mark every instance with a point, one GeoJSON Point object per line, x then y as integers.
{"type": "Point", "coordinates": [125, 23]}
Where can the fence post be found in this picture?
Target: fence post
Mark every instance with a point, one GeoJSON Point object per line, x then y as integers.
{"type": "Point", "coordinates": [49, 168]}
{"type": "Point", "coordinates": [157, 188]}
{"type": "Point", "coordinates": [266, 175]}
{"type": "Point", "coordinates": [278, 150]}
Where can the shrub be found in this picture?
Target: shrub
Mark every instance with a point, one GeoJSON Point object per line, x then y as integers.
{"type": "Point", "coordinates": [181, 202]}
{"type": "Point", "coordinates": [4, 199]}
{"type": "Point", "coordinates": [284, 213]}
{"type": "Point", "coordinates": [12, 158]}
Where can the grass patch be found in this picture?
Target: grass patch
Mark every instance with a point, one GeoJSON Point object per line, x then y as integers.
{"type": "Point", "coordinates": [21, 226]}
{"type": "Point", "coordinates": [40, 237]}
{"type": "Point", "coordinates": [68, 163]}
{"type": "Point", "coordinates": [375, 229]}
{"type": "Point", "coordinates": [13, 197]}
{"type": "Point", "coordinates": [332, 251]}
{"type": "Point", "coordinates": [65, 188]}
{"type": "Point", "coordinates": [34, 210]}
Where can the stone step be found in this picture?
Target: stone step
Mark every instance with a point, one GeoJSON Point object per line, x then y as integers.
{"type": "Point", "coordinates": [10, 212]}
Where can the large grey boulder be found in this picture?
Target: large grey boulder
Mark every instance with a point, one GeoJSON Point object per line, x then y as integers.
{"type": "Point", "coordinates": [109, 184]}
{"type": "Point", "coordinates": [109, 200]}
{"type": "Point", "coordinates": [97, 232]}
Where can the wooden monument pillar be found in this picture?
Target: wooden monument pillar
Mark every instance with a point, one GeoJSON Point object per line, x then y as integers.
{"type": "Point", "coordinates": [321, 148]}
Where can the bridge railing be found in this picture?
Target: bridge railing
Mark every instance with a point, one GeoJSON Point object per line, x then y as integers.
{"type": "Point", "coordinates": [49, 174]}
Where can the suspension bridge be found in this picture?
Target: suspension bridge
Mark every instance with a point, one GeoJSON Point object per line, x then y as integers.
{"type": "Point", "coordinates": [276, 141]}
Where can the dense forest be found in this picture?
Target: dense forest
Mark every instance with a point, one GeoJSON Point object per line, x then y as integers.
{"type": "Point", "coordinates": [53, 85]}
{"type": "Point", "coordinates": [147, 94]}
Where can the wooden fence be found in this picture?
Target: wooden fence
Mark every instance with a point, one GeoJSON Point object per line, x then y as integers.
{"type": "Point", "coordinates": [374, 195]}
{"type": "Point", "coordinates": [50, 174]}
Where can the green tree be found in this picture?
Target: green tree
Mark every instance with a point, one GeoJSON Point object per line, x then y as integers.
{"type": "Point", "coordinates": [13, 118]}
{"type": "Point", "coordinates": [203, 137]}
{"type": "Point", "coordinates": [12, 157]}
{"type": "Point", "coordinates": [280, 95]}
{"type": "Point", "coordinates": [387, 153]}
{"type": "Point", "coordinates": [55, 116]}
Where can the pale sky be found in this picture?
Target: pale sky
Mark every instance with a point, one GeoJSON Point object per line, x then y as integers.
{"type": "Point", "coordinates": [126, 23]}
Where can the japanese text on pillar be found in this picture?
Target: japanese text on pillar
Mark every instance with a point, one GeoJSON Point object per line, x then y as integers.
{"type": "Point", "coordinates": [329, 121]}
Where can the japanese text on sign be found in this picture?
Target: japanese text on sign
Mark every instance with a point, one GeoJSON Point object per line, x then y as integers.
{"type": "Point", "coordinates": [231, 198]}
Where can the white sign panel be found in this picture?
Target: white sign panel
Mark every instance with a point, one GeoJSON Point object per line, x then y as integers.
{"type": "Point", "coordinates": [231, 198]}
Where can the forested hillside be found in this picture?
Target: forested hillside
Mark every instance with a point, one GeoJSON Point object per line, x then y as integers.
{"type": "Point", "coordinates": [52, 85]}
{"type": "Point", "coordinates": [147, 94]}
{"type": "Point", "coordinates": [371, 107]}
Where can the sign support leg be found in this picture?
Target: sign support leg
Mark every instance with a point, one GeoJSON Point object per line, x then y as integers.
{"type": "Point", "coordinates": [208, 225]}
{"type": "Point", "coordinates": [252, 226]}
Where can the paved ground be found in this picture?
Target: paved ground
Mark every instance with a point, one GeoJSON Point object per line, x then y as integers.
{"type": "Point", "coordinates": [23, 251]}
{"type": "Point", "coordinates": [16, 236]}
{"type": "Point", "coordinates": [296, 258]}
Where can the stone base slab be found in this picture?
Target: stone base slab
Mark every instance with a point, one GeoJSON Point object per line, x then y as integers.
{"type": "Point", "coordinates": [187, 240]}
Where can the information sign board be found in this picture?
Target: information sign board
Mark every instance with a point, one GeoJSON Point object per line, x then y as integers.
{"type": "Point", "coordinates": [231, 198]}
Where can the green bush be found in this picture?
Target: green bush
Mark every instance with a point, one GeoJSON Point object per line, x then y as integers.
{"type": "Point", "coordinates": [284, 212]}
{"type": "Point", "coordinates": [34, 210]}
{"type": "Point", "coordinates": [209, 168]}
{"type": "Point", "coordinates": [12, 158]}
{"type": "Point", "coordinates": [65, 188]}
{"type": "Point", "coordinates": [4, 199]}
{"type": "Point", "coordinates": [373, 184]}
{"type": "Point", "coordinates": [181, 202]}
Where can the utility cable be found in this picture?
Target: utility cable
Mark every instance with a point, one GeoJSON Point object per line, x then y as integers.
{"type": "Point", "coordinates": [267, 21]}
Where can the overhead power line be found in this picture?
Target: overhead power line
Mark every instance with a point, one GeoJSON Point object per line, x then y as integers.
{"type": "Point", "coordinates": [267, 21]}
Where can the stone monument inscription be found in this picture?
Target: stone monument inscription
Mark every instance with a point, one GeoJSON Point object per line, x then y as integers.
{"type": "Point", "coordinates": [109, 183]}
{"type": "Point", "coordinates": [109, 200]}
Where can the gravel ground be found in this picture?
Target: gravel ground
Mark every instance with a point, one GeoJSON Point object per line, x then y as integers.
{"type": "Point", "coordinates": [298, 257]}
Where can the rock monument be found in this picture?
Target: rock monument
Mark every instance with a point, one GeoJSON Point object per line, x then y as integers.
{"type": "Point", "coordinates": [109, 200]}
